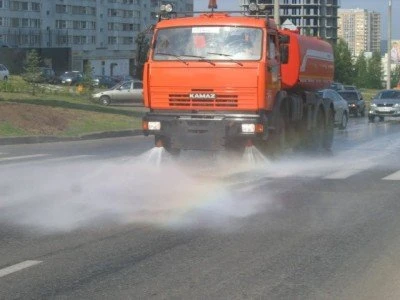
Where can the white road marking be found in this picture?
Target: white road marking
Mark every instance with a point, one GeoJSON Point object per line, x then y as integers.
{"type": "Point", "coordinates": [394, 176]}
{"type": "Point", "coordinates": [54, 159]}
{"type": "Point", "coordinates": [22, 157]}
{"type": "Point", "coordinates": [18, 267]}
{"type": "Point", "coordinates": [346, 173]}
{"type": "Point", "coordinates": [67, 158]}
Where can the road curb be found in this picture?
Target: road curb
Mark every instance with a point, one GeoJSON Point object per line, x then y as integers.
{"type": "Point", "coordinates": [52, 139]}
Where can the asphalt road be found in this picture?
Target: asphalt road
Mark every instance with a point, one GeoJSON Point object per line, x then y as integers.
{"type": "Point", "coordinates": [102, 220]}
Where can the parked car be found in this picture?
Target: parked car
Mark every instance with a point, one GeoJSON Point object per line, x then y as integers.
{"type": "Point", "coordinates": [104, 81]}
{"type": "Point", "coordinates": [71, 77]}
{"type": "Point", "coordinates": [336, 86]}
{"type": "Point", "coordinates": [122, 78]}
{"type": "Point", "coordinates": [341, 108]}
{"type": "Point", "coordinates": [385, 103]}
{"type": "Point", "coordinates": [128, 91]}
{"type": "Point", "coordinates": [355, 101]}
{"type": "Point", "coordinates": [4, 73]}
{"type": "Point", "coordinates": [48, 75]}
{"type": "Point", "coordinates": [350, 88]}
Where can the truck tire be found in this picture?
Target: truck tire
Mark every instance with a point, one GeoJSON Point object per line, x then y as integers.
{"type": "Point", "coordinates": [277, 142]}
{"type": "Point", "coordinates": [316, 138]}
{"type": "Point", "coordinates": [329, 130]}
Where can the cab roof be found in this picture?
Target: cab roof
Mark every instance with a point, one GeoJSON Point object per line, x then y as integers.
{"type": "Point", "coordinates": [215, 19]}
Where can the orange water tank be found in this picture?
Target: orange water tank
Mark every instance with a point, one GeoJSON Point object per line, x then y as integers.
{"type": "Point", "coordinates": [311, 64]}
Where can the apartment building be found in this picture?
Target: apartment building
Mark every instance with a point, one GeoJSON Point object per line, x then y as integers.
{"type": "Point", "coordinates": [361, 29]}
{"type": "Point", "coordinates": [101, 32]}
{"type": "Point", "coordinates": [312, 17]}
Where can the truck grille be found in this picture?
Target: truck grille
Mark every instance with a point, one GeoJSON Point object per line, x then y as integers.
{"type": "Point", "coordinates": [220, 100]}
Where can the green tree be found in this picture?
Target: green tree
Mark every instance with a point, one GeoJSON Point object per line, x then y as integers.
{"type": "Point", "coordinates": [87, 80]}
{"type": "Point", "coordinates": [32, 70]}
{"type": "Point", "coordinates": [142, 46]}
{"type": "Point", "coordinates": [374, 71]}
{"type": "Point", "coordinates": [360, 71]}
{"type": "Point", "coordinates": [395, 76]}
{"type": "Point", "coordinates": [343, 63]}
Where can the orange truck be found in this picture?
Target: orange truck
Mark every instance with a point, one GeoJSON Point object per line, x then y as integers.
{"type": "Point", "coordinates": [218, 80]}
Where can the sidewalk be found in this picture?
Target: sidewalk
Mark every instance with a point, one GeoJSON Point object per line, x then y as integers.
{"type": "Point", "coordinates": [50, 139]}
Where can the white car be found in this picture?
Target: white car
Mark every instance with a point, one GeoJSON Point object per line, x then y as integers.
{"type": "Point", "coordinates": [4, 73]}
{"type": "Point", "coordinates": [128, 91]}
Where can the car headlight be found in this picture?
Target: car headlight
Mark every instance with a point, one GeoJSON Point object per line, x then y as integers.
{"type": "Point", "coordinates": [373, 105]}
{"type": "Point", "coordinates": [396, 105]}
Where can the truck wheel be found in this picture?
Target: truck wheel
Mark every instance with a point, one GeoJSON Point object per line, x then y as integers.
{"type": "Point", "coordinates": [329, 131]}
{"type": "Point", "coordinates": [317, 133]}
{"type": "Point", "coordinates": [277, 142]}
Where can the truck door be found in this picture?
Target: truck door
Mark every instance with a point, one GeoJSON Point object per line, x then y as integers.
{"type": "Point", "coordinates": [273, 75]}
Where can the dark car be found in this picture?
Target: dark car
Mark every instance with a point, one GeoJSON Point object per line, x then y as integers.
{"type": "Point", "coordinates": [385, 103]}
{"type": "Point", "coordinates": [340, 107]}
{"type": "Point", "coordinates": [122, 78]}
{"type": "Point", "coordinates": [48, 75]}
{"type": "Point", "coordinates": [71, 77]}
{"type": "Point", "coordinates": [336, 86]}
{"type": "Point", "coordinates": [104, 81]}
{"type": "Point", "coordinates": [355, 101]}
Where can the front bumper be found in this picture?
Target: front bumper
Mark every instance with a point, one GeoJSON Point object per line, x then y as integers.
{"type": "Point", "coordinates": [205, 131]}
{"type": "Point", "coordinates": [384, 111]}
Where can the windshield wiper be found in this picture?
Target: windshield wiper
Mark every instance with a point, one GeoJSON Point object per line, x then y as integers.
{"type": "Point", "coordinates": [201, 58]}
{"type": "Point", "coordinates": [227, 56]}
{"type": "Point", "coordinates": [178, 57]}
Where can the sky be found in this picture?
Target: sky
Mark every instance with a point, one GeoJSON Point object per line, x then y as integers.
{"type": "Point", "coordinates": [380, 6]}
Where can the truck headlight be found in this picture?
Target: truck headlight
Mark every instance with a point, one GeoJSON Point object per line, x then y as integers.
{"type": "Point", "coordinates": [252, 128]}
{"type": "Point", "coordinates": [248, 128]}
{"type": "Point", "coordinates": [154, 125]}
{"type": "Point", "coordinates": [151, 125]}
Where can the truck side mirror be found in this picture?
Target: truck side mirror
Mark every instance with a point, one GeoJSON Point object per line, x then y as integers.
{"type": "Point", "coordinates": [284, 49]}
{"type": "Point", "coordinates": [284, 39]}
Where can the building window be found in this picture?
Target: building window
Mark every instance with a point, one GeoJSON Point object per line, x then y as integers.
{"type": "Point", "coordinates": [61, 24]}
{"type": "Point", "coordinates": [112, 12]}
{"type": "Point", "coordinates": [128, 14]}
{"type": "Point", "coordinates": [127, 27]}
{"type": "Point", "coordinates": [112, 40]}
{"type": "Point", "coordinates": [25, 22]}
{"type": "Point", "coordinates": [128, 40]}
{"type": "Point", "coordinates": [35, 6]}
{"type": "Point", "coordinates": [34, 23]}
{"type": "Point", "coordinates": [14, 22]}
{"type": "Point", "coordinates": [62, 40]}
{"type": "Point", "coordinates": [61, 9]}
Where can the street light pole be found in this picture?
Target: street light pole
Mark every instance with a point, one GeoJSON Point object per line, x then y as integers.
{"type": "Point", "coordinates": [389, 63]}
{"type": "Point", "coordinates": [276, 13]}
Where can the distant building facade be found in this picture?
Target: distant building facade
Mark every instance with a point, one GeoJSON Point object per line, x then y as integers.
{"type": "Point", "coordinates": [361, 30]}
{"type": "Point", "coordinates": [99, 32]}
{"type": "Point", "coordinates": [312, 17]}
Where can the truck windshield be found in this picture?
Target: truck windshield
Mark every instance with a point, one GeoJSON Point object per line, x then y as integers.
{"type": "Point", "coordinates": [208, 43]}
